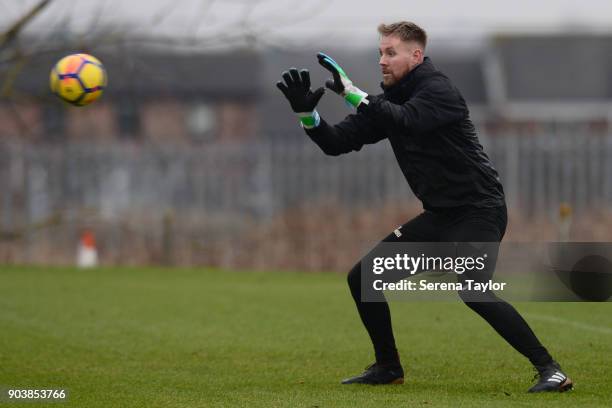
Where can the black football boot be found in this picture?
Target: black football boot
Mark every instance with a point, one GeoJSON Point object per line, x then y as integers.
{"type": "Point", "coordinates": [377, 374]}
{"type": "Point", "coordinates": [551, 378]}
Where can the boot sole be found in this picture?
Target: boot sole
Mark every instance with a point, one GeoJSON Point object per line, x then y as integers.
{"type": "Point", "coordinates": [397, 381]}
{"type": "Point", "coordinates": [567, 385]}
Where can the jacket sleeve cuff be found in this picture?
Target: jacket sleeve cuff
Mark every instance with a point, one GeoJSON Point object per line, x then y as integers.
{"type": "Point", "coordinates": [309, 120]}
{"type": "Point", "coordinates": [370, 107]}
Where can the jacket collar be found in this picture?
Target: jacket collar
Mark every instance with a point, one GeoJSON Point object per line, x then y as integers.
{"type": "Point", "coordinates": [406, 85]}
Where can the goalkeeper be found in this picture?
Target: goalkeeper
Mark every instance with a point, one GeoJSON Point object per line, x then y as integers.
{"type": "Point", "coordinates": [427, 123]}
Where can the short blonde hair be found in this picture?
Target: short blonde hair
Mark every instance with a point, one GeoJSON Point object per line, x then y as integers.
{"type": "Point", "coordinates": [406, 31]}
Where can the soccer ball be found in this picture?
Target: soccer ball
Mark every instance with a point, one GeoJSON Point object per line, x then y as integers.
{"type": "Point", "coordinates": [78, 79]}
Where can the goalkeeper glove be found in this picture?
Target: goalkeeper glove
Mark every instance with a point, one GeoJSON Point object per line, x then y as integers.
{"type": "Point", "coordinates": [341, 84]}
{"type": "Point", "coordinates": [303, 101]}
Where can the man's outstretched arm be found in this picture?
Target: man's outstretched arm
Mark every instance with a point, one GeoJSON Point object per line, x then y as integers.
{"type": "Point", "coordinates": [436, 105]}
{"type": "Point", "coordinates": [349, 135]}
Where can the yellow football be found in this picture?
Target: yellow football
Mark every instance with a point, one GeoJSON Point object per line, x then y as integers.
{"type": "Point", "coordinates": [78, 79]}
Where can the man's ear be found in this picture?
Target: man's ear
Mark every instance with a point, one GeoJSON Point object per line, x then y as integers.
{"type": "Point", "coordinates": [418, 54]}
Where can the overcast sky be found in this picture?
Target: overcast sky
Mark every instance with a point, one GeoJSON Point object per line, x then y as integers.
{"type": "Point", "coordinates": [336, 21]}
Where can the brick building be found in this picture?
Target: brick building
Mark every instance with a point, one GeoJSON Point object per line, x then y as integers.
{"type": "Point", "coordinates": [151, 97]}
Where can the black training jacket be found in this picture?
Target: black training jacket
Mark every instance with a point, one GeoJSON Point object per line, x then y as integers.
{"type": "Point", "coordinates": [427, 122]}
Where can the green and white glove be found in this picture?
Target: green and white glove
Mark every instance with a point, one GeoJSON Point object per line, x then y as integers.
{"type": "Point", "coordinates": [341, 84]}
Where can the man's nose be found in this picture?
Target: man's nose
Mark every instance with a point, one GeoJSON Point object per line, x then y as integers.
{"type": "Point", "coordinates": [382, 60]}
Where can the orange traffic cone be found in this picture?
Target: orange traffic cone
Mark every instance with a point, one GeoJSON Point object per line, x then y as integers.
{"type": "Point", "coordinates": [87, 254]}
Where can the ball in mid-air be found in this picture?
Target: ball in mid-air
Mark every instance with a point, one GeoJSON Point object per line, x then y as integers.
{"type": "Point", "coordinates": [78, 79]}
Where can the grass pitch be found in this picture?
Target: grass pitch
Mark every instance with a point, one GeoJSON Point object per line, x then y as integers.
{"type": "Point", "coordinates": [207, 338]}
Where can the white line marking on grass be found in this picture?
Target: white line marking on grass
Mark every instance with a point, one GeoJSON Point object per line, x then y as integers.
{"type": "Point", "coordinates": [584, 326]}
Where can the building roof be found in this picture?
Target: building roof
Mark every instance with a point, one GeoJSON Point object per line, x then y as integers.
{"type": "Point", "coordinates": [556, 67]}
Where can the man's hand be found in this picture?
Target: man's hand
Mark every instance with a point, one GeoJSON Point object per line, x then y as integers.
{"type": "Point", "coordinates": [341, 84]}
{"type": "Point", "coordinates": [302, 99]}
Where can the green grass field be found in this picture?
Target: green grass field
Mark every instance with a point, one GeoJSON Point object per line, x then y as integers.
{"type": "Point", "coordinates": [207, 338]}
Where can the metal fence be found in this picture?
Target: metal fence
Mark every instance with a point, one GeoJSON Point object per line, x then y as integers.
{"type": "Point", "coordinates": [538, 172]}
{"type": "Point", "coordinates": [230, 186]}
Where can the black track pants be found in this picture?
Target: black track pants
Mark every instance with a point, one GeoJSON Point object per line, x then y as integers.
{"type": "Point", "coordinates": [455, 225]}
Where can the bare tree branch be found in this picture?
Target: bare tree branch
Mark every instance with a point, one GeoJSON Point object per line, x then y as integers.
{"type": "Point", "coordinates": [8, 36]}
